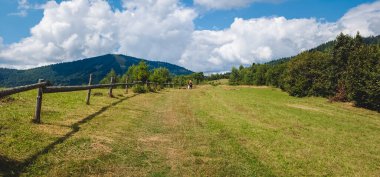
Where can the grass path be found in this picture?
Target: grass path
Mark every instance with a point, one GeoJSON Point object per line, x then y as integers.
{"type": "Point", "coordinates": [208, 131]}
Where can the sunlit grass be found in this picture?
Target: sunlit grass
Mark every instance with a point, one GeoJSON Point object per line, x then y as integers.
{"type": "Point", "coordinates": [208, 131]}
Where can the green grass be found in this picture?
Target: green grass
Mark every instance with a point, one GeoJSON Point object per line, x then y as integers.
{"type": "Point", "coordinates": [208, 131]}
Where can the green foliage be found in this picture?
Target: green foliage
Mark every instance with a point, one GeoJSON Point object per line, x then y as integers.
{"type": "Point", "coordinates": [306, 75]}
{"type": "Point", "coordinates": [141, 72]}
{"type": "Point", "coordinates": [138, 72]}
{"type": "Point", "coordinates": [259, 74]}
{"type": "Point", "coordinates": [140, 88]}
{"type": "Point", "coordinates": [346, 69]}
{"type": "Point", "coordinates": [197, 78]}
{"type": "Point", "coordinates": [107, 79]}
{"type": "Point", "coordinates": [213, 77]}
{"type": "Point", "coordinates": [160, 75]}
{"type": "Point", "coordinates": [234, 77]}
{"type": "Point", "coordinates": [363, 77]}
{"type": "Point", "coordinates": [275, 75]}
{"type": "Point", "coordinates": [180, 80]}
{"type": "Point", "coordinates": [130, 74]}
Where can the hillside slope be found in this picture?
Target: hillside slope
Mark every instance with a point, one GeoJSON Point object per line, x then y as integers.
{"type": "Point", "coordinates": [77, 72]}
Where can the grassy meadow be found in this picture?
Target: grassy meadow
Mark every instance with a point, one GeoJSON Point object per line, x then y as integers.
{"type": "Point", "coordinates": [208, 131]}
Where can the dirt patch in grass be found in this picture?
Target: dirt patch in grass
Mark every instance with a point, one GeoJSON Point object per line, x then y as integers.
{"type": "Point", "coordinates": [6, 100]}
{"type": "Point", "coordinates": [53, 129]}
{"type": "Point", "coordinates": [102, 138]}
{"type": "Point", "coordinates": [299, 106]}
{"type": "Point", "coordinates": [97, 94]}
{"type": "Point", "coordinates": [101, 148]}
{"type": "Point", "coordinates": [231, 88]}
{"type": "Point", "coordinates": [253, 86]}
{"type": "Point", "coordinates": [153, 139]}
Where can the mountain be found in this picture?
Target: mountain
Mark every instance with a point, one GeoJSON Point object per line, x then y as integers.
{"type": "Point", "coordinates": [77, 72]}
{"type": "Point", "coordinates": [372, 40]}
{"type": "Point", "coordinates": [328, 46]}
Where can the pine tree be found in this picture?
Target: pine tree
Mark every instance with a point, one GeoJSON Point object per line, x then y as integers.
{"type": "Point", "coordinates": [234, 77]}
{"type": "Point", "coordinates": [107, 79]}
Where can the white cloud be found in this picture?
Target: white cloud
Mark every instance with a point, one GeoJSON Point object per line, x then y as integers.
{"type": "Point", "coordinates": [164, 30]}
{"type": "Point", "coordinates": [263, 39]}
{"type": "Point", "coordinates": [21, 13]}
{"type": "Point", "coordinates": [255, 40]}
{"type": "Point", "coordinates": [155, 29]}
{"type": "Point", "coordinates": [364, 18]}
{"type": "Point", "coordinates": [229, 4]}
{"type": "Point", "coordinates": [1, 43]}
{"type": "Point", "coordinates": [85, 28]}
{"type": "Point", "coordinates": [24, 6]}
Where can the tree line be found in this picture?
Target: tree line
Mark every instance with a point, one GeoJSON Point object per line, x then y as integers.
{"type": "Point", "coordinates": [349, 70]}
{"type": "Point", "coordinates": [160, 76]}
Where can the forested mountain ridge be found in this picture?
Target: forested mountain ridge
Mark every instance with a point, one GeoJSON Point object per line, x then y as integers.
{"type": "Point", "coordinates": [326, 47]}
{"type": "Point", "coordinates": [77, 72]}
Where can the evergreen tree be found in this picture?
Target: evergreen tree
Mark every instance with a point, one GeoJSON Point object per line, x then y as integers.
{"type": "Point", "coordinates": [306, 75]}
{"type": "Point", "coordinates": [343, 46]}
{"type": "Point", "coordinates": [107, 79]}
{"type": "Point", "coordinates": [259, 77]}
{"type": "Point", "coordinates": [141, 72]}
{"type": "Point", "coordinates": [363, 77]}
{"type": "Point", "coordinates": [234, 77]}
{"type": "Point", "coordinates": [160, 75]}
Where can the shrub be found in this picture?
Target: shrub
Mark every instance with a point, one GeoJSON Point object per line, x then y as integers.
{"type": "Point", "coordinates": [139, 89]}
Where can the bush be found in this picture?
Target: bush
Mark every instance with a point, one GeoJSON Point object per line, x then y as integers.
{"type": "Point", "coordinates": [139, 89]}
{"type": "Point", "coordinates": [214, 83]}
{"type": "Point", "coordinates": [151, 89]}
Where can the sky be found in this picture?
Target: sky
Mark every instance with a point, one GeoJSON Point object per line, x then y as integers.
{"type": "Point", "coordinates": [201, 35]}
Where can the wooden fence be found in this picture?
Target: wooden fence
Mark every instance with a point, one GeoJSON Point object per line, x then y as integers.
{"type": "Point", "coordinates": [43, 87]}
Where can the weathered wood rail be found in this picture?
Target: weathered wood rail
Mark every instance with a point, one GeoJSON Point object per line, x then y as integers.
{"type": "Point", "coordinates": [44, 88]}
{"type": "Point", "coordinates": [11, 91]}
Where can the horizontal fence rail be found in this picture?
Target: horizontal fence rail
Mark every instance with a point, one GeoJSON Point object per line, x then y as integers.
{"type": "Point", "coordinates": [14, 90]}
{"type": "Point", "coordinates": [43, 87]}
{"type": "Point", "coordinates": [55, 89]}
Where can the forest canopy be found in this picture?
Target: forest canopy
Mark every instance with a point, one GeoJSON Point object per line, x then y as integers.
{"type": "Point", "coordinates": [346, 69]}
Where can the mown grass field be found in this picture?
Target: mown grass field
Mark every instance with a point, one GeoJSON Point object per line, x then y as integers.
{"type": "Point", "coordinates": [208, 131]}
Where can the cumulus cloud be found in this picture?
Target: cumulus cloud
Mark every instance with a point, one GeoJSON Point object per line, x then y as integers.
{"type": "Point", "coordinates": [263, 39]}
{"type": "Point", "coordinates": [364, 18]}
{"type": "Point", "coordinates": [254, 41]}
{"type": "Point", "coordinates": [164, 30]}
{"type": "Point", "coordinates": [85, 28]}
{"type": "Point", "coordinates": [228, 4]}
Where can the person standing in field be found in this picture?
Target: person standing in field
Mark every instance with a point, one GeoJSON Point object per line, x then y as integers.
{"type": "Point", "coordinates": [190, 85]}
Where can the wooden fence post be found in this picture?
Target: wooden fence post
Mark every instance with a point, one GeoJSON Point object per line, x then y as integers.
{"type": "Point", "coordinates": [126, 86]}
{"type": "Point", "coordinates": [89, 91]}
{"type": "Point", "coordinates": [111, 87]}
{"type": "Point", "coordinates": [37, 115]}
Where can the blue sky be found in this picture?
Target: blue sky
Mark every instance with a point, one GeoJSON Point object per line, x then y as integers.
{"type": "Point", "coordinates": [330, 10]}
{"type": "Point", "coordinates": [202, 35]}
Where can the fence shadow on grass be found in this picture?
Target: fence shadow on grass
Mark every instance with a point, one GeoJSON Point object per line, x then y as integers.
{"type": "Point", "coordinates": [10, 167]}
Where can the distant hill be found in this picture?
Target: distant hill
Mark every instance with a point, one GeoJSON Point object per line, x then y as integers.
{"type": "Point", "coordinates": [77, 72]}
{"type": "Point", "coordinates": [372, 40]}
